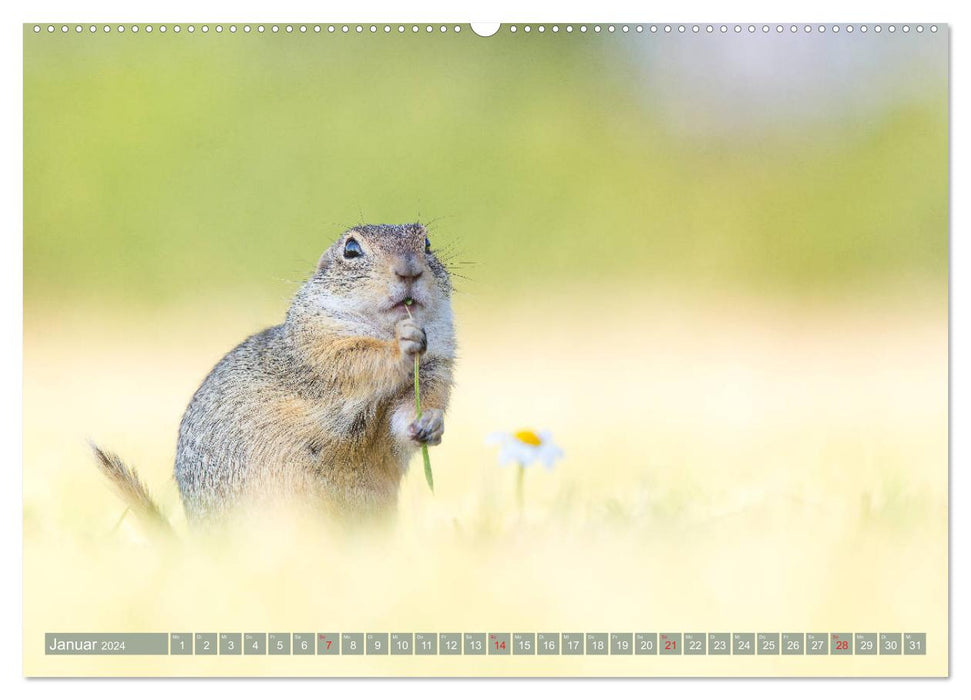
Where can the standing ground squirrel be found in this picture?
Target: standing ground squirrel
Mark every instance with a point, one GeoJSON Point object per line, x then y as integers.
{"type": "Point", "coordinates": [322, 406]}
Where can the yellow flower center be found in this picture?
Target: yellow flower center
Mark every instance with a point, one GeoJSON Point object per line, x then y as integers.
{"type": "Point", "coordinates": [528, 437]}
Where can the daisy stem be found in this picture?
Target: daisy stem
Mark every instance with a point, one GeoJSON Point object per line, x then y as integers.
{"type": "Point", "coordinates": [519, 486]}
{"type": "Point", "coordinates": [424, 448]}
{"type": "Point", "coordinates": [120, 520]}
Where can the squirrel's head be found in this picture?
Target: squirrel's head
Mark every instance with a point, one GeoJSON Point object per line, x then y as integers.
{"type": "Point", "coordinates": [372, 272]}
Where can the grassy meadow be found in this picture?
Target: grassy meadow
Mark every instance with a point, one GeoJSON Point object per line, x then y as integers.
{"type": "Point", "coordinates": [739, 340]}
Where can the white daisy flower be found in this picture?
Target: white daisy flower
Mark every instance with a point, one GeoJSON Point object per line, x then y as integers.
{"type": "Point", "coordinates": [525, 447]}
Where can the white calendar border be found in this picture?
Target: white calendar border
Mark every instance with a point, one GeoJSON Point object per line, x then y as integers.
{"type": "Point", "coordinates": [829, 11]}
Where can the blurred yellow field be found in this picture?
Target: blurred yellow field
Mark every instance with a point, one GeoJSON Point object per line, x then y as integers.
{"type": "Point", "coordinates": [728, 465]}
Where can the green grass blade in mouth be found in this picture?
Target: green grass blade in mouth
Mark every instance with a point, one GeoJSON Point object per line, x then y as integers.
{"type": "Point", "coordinates": [424, 448]}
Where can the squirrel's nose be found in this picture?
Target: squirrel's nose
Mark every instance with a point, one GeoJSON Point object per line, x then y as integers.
{"type": "Point", "coordinates": [407, 268]}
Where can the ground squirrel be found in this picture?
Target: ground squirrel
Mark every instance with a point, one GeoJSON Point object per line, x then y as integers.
{"type": "Point", "coordinates": [322, 406]}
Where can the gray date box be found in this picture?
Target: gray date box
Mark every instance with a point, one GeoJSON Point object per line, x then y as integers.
{"type": "Point", "coordinates": [402, 643]}
{"type": "Point", "coordinates": [915, 643]}
{"type": "Point", "coordinates": [206, 644]}
{"type": "Point", "coordinates": [841, 644]}
{"type": "Point", "coordinates": [474, 644]}
{"type": "Point", "coordinates": [352, 644]}
{"type": "Point", "coordinates": [304, 644]}
{"type": "Point", "coordinates": [645, 643]}
{"type": "Point", "coordinates": [865, 643]}
{"type": "Point", "coordinates": [254, 643]}
{"type": "Point", "coordinates": [376, 643]}
{"type": "Point", "coordinates": [621, 643]}
{"type": "Point", "coordinates": [499, 643]}
{"type": "Point", "coordinates": [572, 643]}
{"type": "Point", "coordinates": [817, 643]}
{"type": "Point", "coordinates": [450, 643]}
{"type": "Point", "coordinates": [743, 643]}
{"type": "Point", "coordinates": [180, 643]}
{"type": "Point", "coordinates": [768, 643]}
{"type": "Point", "coordinates": [669, 644]}
{"type": "Point", "coordinates": [891, 643]}
{"type": "Point", "coordinates": [597, 644]}
{"type": "Point", "coordinates": [230, 643]}
{"type": "Point", "coordinates": [793, 643]}
{"type": "Point", "coordinates": [548, 643]}
{"type": "Point", "coordinates": [523, 643]}
{"type": "Point", "coordinates": [719, 643]}
{"type": "Point", "coordinates": [695, 644]}
{"type": "Point", "coordinates": [329, 643]}
{"type": "Point", "coordinates": [426, 644]}
{"type": "Point", "coordinates": [278, 643]}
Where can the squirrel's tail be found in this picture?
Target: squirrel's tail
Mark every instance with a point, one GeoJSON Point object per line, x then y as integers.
{"type": "Point", "coordinates": [132, 490]}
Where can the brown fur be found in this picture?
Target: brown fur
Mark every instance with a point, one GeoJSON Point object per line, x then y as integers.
{"type": "Point", "coordinates": [322, 406]}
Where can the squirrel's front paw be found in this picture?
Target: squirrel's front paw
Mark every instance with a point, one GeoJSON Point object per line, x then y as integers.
{"type": "Point", "coordinates": [411, 338]}
{"type": "Point", "coordinates": [428, 429]}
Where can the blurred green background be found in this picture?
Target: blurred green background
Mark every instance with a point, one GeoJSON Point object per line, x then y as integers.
{"type": "Point", "coordinates": [161, 168]}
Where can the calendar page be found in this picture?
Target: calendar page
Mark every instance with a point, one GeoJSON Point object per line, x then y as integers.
{"type": "Point", "coordinates": [603, 349]}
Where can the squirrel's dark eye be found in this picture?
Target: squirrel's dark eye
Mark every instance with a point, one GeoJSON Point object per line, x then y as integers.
{"type": "Point", "coordinates": [352, 249]}
{"type": "Point", "coordinates": [428, 245]}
